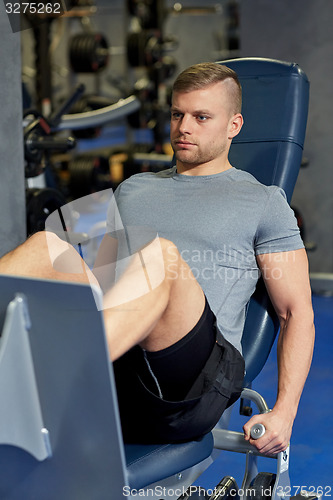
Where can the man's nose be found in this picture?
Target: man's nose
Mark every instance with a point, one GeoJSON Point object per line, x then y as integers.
{"type": "Point", "coordinates": [185, 125]}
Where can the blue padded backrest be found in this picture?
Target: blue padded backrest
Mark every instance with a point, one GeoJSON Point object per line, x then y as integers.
{"type": "Point", "coordinates": [269, 146]}
{"type": "Point", "coordinates": [275, 109]}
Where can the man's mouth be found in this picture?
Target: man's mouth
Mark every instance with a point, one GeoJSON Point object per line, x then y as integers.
{"type": "Point", "coordinates": [184, 143]}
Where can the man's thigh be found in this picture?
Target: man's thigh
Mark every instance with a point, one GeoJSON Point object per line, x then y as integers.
{"type": "Point", "coordinates": [186, 299]}
{"type": "Point", "coordinates": [184, 401]}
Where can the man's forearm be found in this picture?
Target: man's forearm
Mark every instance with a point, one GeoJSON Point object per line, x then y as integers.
{"type": "Point", "coordinates": [287, 281]}
{"type": "Point", "coordinates": [295, 348]}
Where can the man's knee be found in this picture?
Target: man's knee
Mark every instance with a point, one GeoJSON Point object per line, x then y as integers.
{"type": "Point", "coordinates": [52, 253]}
{"type": "Point", "coordinates": [160, 255]}
{"type": "Point", "coordinates": [163, 256]}
{"type": "Point", "coordinates": [44, 245]}
{"type": "Point", "coordinates": [170, 251]}
{"type": "Point", "coordinates": [39, 242]}
{"type": "Point", "coordinates": [28, 259]}
{"type": "Point", "coordinates": [175, 265]}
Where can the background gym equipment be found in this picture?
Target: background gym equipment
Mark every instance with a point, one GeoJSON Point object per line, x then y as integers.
{"type": "Point", "coordinates": [87, 174]}
{"type": "Point", "coordinates": [147, 48]}
{"type": "Point", "coordinates": [88, 52]}
{"type": "Point", "coordinates": [98, 117]}
{"type": "Point", "coordinates": [86, 104]}
{"type": "Point", "coordinates": [38, 138]}
{"type": "Point", "coordinates": [39, 142]}
{"type": "Point", "coordinates": [40, 203]}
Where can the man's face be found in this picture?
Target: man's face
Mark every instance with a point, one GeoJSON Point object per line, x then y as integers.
{"type": "Point", "coordinates": [201, 125]}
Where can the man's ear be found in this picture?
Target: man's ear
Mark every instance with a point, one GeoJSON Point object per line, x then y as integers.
{"type": "Point", "coordinates": [235, 125]}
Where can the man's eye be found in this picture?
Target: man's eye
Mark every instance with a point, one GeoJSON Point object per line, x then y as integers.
{"type": "Point", "coordinates": [202, 118]}
{"type": "Point", "coordinates": [175, 115]}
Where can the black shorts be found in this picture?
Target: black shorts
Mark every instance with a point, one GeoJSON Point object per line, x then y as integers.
{"type": "Point", "coordinates": [157, 406]}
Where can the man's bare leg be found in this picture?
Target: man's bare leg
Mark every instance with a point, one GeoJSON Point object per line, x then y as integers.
{"type": "Point", "coordinates": [44, 255]}
{"type": "Point", "coordinates": [162, 315]}
{"type": "Point", "coordinates": [168, 304]}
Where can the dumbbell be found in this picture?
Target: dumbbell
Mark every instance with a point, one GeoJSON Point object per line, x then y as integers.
{"type": "Point", "coordinates": [88, 52]}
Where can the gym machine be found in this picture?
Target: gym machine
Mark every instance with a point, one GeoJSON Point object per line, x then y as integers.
{"type": "Point", "coordinates": [40, 139]}
{"type": "Point", "coordinates": [76, 449]}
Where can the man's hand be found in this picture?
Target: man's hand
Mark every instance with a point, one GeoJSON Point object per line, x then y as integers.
{"type": "Point", "coordinates": [278, 431]}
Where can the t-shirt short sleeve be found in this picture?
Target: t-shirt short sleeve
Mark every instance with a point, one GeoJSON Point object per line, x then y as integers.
{"type": "Point", "coordinates": [277, 229]}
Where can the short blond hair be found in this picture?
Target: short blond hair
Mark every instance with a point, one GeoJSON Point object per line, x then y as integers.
{"type": "Point", "coordinates": [202, 75]}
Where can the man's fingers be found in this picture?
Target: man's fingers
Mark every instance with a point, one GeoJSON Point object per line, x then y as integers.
{"type": "Point", "coordinates": [270, 444]}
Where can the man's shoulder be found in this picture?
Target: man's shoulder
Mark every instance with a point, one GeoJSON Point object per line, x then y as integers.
{"type": "Point", "coordinates": [250, 183]}
{"type": "Point", "coordinates": [239, 175]}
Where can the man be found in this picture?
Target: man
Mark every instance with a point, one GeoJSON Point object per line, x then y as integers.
{"type": "Point", "coordinates": [196, 238]}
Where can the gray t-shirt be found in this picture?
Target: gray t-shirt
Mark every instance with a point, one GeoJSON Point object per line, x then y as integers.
{"type": "Point", "coordinates": [219, 224]}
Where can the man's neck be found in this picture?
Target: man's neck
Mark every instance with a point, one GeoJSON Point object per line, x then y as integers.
{"type": "Point", "coordinates": [202, 169]}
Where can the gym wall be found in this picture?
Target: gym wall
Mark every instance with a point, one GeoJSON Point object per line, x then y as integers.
{"type": "Point", "coordinates": [12, 194]}
{"type": "Point", "coordinates": [301, 31]}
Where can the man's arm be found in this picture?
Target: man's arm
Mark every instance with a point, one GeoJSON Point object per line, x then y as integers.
{"type": "Point", "coordinates": [287, 280]}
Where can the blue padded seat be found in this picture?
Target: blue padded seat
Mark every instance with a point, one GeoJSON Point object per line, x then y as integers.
{"type": "Point", "coordinates": [145, 462]}
{"type": "Point", "coordinates": [270, 147]}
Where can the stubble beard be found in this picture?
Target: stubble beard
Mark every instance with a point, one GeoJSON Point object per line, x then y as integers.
{"type": "Point", "coordinates": [198, 157]}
